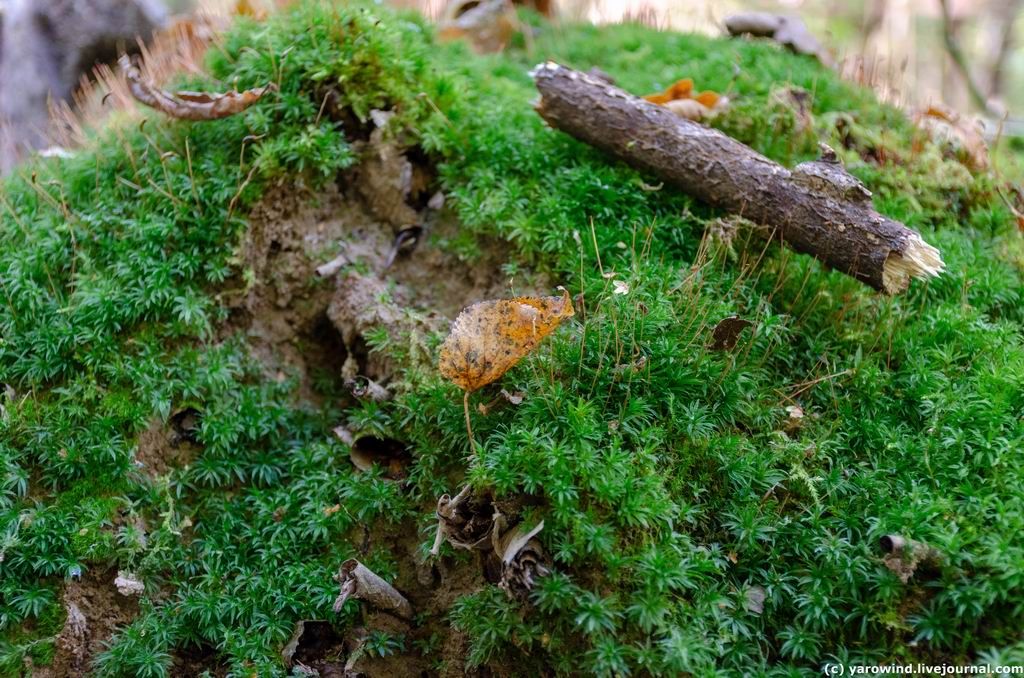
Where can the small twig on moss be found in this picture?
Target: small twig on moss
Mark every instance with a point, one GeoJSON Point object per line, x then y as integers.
{"type": "Point", "coordinates": [331, 267]}
{"type": "Point", "coordinates": [817, 208]}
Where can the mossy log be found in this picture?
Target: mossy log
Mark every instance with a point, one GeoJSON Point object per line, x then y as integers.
{"type": "Point", "coordinates": [817, 208]}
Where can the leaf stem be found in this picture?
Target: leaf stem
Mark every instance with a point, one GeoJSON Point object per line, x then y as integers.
{"type": "Point", "coordinates": [469, 427]}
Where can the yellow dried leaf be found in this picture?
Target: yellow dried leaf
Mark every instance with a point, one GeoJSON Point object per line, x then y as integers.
{"type": "Point", "coordinates": [681, 89]}
{"type": "Point", "coordinates": [489, 337]}
{"type": "Point", "coordinates": [681, 99]}
{"type": "Point", "coordinates": [246, 8]}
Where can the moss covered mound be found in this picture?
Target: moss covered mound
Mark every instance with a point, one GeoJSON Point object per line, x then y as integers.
{"type": "Point", "coordinates": [174, 371]}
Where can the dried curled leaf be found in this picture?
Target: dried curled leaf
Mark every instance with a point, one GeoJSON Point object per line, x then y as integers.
{"type": "Point", "coordinates": [684, 102]}
{"type": "Point", "coordinates": [489, 337]}
{"type": "Point", "coordinates": [188, 105]}
{"type": "Point", "coordinates": [960, 135]}
{"type": "Point", "coordinates": [522, 557]}
{"type": "Point", "coordinates": [465, 521]}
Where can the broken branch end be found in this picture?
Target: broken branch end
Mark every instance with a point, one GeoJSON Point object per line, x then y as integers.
{"type": "Point", "coordinates": [918, 260]}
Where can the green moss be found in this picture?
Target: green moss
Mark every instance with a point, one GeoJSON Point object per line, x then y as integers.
{"type": "Point", "coordinates": [669, 479]}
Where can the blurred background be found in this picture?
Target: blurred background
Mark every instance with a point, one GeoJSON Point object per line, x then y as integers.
{"type": "Point", "coordinates": [962, 53]}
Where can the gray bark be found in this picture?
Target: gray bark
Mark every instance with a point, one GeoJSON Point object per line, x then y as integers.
{"type": "Point", "coordinates": [816, 208]}
{"type": "Point", "coordinates": [47, 46]}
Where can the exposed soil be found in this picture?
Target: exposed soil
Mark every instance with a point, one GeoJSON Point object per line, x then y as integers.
{"type": "Point", "coordinates": [315, 328]}
{"type": "Point", "coordinates": [194, 662]}
{"type": "Point", "coordinates": [431, 588]}
{"type": "Point", "coordinates": [161, 447]}
{"type": "Point", "coordinates": [95, 610]}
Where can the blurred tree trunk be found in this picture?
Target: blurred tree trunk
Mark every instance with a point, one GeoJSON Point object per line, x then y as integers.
{"type": "Point", "coordinates": [951, 26]}
{"type": "Point", "coordinates": [1002, 22]}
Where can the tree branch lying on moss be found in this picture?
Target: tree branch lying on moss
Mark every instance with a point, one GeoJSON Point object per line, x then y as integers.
{"type": "Point", "coordinates": [817, 208]}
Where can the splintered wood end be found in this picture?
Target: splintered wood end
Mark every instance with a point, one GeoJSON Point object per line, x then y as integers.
{"type": "Point", "coordinates": [918, 260]}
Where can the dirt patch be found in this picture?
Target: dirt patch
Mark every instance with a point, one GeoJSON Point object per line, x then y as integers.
{"type": "Point", "coordinates": [432, 587]}
{"type": "Point", "coordinates": [95, 610]}
{"type": "Point", "coordinates": [201, 661]}
{"type": "Point", "coordinates": [161, 447]}
{"type": "Point", "coordinates": [299, 323]}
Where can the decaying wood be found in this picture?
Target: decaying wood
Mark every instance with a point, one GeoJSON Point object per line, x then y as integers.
{"type": "Point", "coordinates": [359, 581]}
{"type": "Point", "coordinates": [817, 208]}
{"type": "Point", "coordinates": [188, 105]}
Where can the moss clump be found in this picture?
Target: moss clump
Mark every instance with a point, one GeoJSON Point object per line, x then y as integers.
{"type": "Point", "coordinates": [674, 486]}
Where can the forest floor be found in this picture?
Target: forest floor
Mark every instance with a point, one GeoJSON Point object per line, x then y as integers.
{"type": "Point", "coordinates": [198, 429]}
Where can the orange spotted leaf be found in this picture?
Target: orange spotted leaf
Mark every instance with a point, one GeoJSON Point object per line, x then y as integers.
{"type": "Point", "coordinates": [707, 98]}
{"type": "Point", "coordinates": [681, 89]}
{"type": "Point", "coordinates": [489, 337]}
{"type": "Point", "coordinates": [684, 102]}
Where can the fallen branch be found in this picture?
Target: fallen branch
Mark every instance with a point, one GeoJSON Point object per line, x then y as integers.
{"type": "Point", "coordinates": [817, 208]}
{"type": "Point", "coordinates": [359, 581]}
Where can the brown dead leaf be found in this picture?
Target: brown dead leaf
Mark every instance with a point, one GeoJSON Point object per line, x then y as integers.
{"type": "Point", "coordinates": [680, 89]}
{"type": "Point", "coordinates": [188, 105]}
{"type": "Point", "coordinates": [489, 337]}
{"type": "Point", "coordinates": [708, 98]}
{"type": "Point", "coordinates": [727, 333]}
